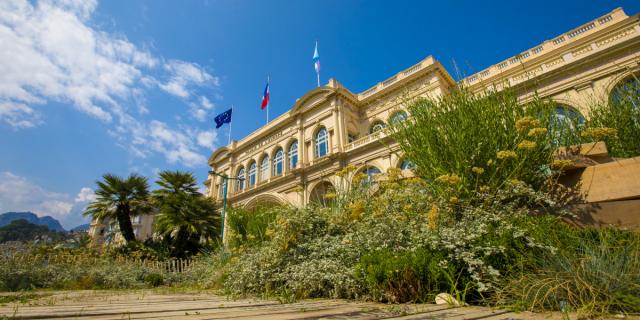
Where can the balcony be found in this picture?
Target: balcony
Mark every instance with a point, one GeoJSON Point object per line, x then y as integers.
{"type": "Point", "coordinates": [365, 140]}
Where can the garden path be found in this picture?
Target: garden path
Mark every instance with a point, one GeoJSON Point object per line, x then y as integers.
{"type": "Point", "coordinates": [157, 304]}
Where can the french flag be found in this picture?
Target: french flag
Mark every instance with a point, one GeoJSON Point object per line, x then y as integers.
{"type": "Point", "coordinates": [265, 97]}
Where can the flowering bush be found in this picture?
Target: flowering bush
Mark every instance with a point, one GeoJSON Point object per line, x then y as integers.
{"type": "Point", "coordinates": [334, 251]}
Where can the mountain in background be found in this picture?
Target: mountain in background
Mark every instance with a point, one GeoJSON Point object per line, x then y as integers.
{"type": "Point", "coordinates": [22, 230]}
{"type": "Point", "coordinates": [51, 223]}
{"type": "Point", "coordinates": [82, 227]}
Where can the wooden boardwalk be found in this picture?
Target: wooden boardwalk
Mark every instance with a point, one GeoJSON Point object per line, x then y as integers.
{"type": "Point", "coordinates": [148, 304]}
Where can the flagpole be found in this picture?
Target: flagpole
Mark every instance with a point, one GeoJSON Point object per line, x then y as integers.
{"type": "Point", "coordinates": [230, 121]}
{"type": "Point", "coordinates": [318, 73]}
{"type": "Point", "coordinates": [269, 102]}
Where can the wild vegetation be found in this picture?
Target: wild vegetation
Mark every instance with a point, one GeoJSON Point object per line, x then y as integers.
{"type": "Point", "coordinates": [482, 219]}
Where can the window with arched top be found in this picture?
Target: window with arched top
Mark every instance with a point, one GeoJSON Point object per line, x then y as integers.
{"type": "Point", "coordinates": [370, 172]}
{"type": "Point", "coordinates": [293, 155]}
{"type": "Point", "coordinates": [240, 180]}
{"type": "Point", "coordinates": [407, 165]}
{"type": "Point", "coordinates": [252, 174]}
{"type": "Point", "coordinates": [398, 116]}
{"type": "Point", "coordinates": [376, 126]}
{"type": "Point", "coordinates": [264, 169]}
{"type": "Point", "coordinates": [278, 162]}
{"type": "Point", "coordinates": [566, 117]}
{"type": "Point", "coordinates": [626, 91]}
{"type": "Point", "coordinates": [564, 123]}
{"type": "Point", "coordinates": [321, 143]}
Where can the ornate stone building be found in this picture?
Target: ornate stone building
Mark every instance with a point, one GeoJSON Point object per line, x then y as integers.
{"type": "Point", "coordinates": [294, 158]}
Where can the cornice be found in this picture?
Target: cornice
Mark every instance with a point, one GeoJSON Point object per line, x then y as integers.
{"type": "Point", "coordinates": [549, 53]}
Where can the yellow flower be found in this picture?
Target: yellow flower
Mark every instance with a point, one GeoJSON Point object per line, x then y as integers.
{"type": "Point", "coordinates": [526, 122]}
{"type": "Point", "coordinates": [517, 182]}
{"type": "Point", "coordinates": [599, 133]}
{"type": "Point", "coordinates": [527, 145]}
{"type": "Point", "coordinates": [358, 178]}
{"type": "Point", "coordinates": [477, 170]}
{"type": "Point", "coordinates": [561, 164]}
{"type": "Point", "coordinates": [330, 196]}
{"type": "Point", "coordinates": [535, 132]}
{"type": "Point", "coordinates": [490, 162]}
{"type": "Point", "coordinates": [394, 173]}
{"type": "Point", "coordinates": [453, 200]}
{"type": "Point", "coordinates": [484, 189]}
{"type": "Point", "coordinates": [449, 178]}
{"type": "Point", "coordinates": [433, 218]}
{"type": "Point", "coordinates": [269, 232]}
{"type": "Point", "coordinates": [506, 154]}
{"type": "Point", "coordinates": [357, 208]}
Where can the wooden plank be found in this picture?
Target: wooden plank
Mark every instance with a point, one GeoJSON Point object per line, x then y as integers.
{"type": "Point", "coordinates": [618, 180]}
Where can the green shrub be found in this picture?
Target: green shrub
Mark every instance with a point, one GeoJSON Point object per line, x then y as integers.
{"type": "Point", "coordinates": [154, 279]}
{"type": "Point", "coordinates": [405, 276]}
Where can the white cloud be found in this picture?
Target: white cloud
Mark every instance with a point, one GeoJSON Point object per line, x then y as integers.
{"type": "Point", "coordinates": [185, 74]}
{"type": "Point", "coordinates": [18, 115]}
{"type": "Point", "coordinates": [207, 138]}
{"type": "Point", "coordinates": [85, 195]}
{"type": "Point", "coordinates": [200, 110]}
{"type": "Point", "coordinates": [49, 52]}
{"type": "Point", "coordinates": [205, 103]}
{"type": "Point", "coordinates": [174, 144]}
{"type": "Point", "coordinates": [19, 194]}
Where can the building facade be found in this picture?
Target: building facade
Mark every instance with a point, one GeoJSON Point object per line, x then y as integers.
{"type": "Point", "coordinates": [294, 159]}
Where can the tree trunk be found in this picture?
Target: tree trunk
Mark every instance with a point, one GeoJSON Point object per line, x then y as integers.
{"type": "Point", "coordinates": [124, 221]}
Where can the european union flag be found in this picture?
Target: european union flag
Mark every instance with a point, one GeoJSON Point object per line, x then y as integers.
{"type": "Point", "coordinates": [223, 118]}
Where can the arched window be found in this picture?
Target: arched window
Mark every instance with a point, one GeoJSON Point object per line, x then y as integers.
{"type": "Point", "coordinates": [252, 174]}
{"type": "Point", "coordinates": [293, 155]}
{"type": "Point", "coordinates": [377, 126]}
{"type": "Point", "coordinates": [322, 143]}
{"type": "Point", "coordinates": [264, 169]}
{"type": "Point", "coordinates": [370, 172]}
{"type": "Point", "coordinates": [564, 123]}
{"type": "Point", "coordinates": [626, 91]}
{"type": "Point", "coordinates": [323, 194]}
{"type": "Point", "coordinates": [407, 165]}
{"type": "Point", "coordinates": [398, 116]}
{"type": "Point", "coordinates": [278, 163]}
{"type": "Point", "coordinates": [566, 117]}
{"type": "Point", "coordinates": [240, 180]}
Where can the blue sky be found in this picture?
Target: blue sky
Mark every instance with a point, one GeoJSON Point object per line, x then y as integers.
{"type": "Point", "coordinates": [90, 87]}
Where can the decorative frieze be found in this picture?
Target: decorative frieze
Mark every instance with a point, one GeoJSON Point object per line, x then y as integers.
{"type": "Point", "coordinates": [616, 37]}
{"type": "Point", "coordinates": [554, 62]}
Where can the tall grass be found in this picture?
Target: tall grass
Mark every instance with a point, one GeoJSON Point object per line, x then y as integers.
{"type": "Point", "coordinates": [479, 140]}
{"type": "Point", "coordinates": [621, 113]}
{"type": "Point", "coordinates": [594, 272]}
{"type": "Point", "coordinates": [249, 227]}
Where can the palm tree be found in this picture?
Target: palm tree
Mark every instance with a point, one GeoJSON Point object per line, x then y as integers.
{"type": "Point", "coordinates": [119, 199]}
{"type": "Point", "coordinates": [184, 215]}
